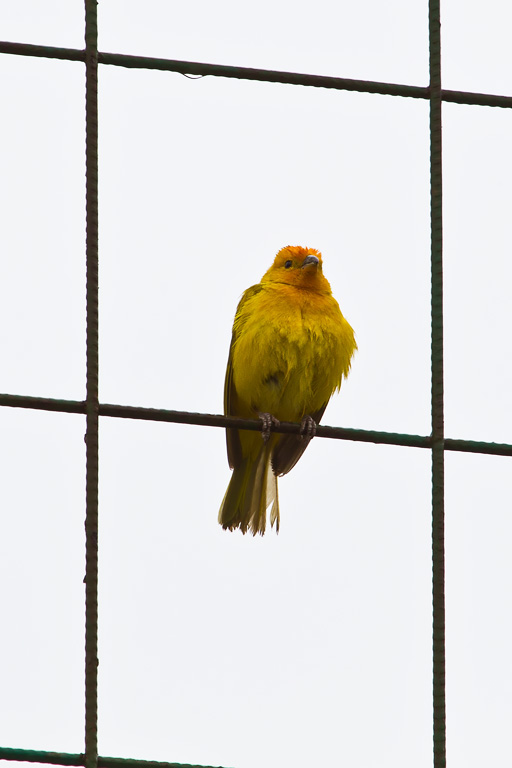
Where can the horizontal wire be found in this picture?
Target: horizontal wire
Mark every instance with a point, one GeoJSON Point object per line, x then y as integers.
{"type": "Point", "coordinates": [261, 75]}
{"type": "Point", "coordinates": [43, 403]}
{"type": "Point", "coordinates": [42, 51]}
{"type": "Point", "coordinates": [66, 758]}
{"type": "Point", "coordinates": [217, 420]}
{"type": "Point", "coordinates": [475, 446]}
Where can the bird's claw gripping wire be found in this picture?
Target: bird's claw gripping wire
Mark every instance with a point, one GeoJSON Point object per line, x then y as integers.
{"type": "Point", "coordinates": [307, 428]}
{"type": "Point", "coordinates": [268, 423]}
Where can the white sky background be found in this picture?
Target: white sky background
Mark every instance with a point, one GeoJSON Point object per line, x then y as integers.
{"type": "Point", "coordinates": [312, 647]}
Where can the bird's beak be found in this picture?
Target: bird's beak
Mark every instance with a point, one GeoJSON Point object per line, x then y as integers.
{"type": "Point", "coordinates": [310, 260]}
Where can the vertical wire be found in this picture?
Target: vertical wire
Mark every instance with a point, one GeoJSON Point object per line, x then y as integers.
{"type": "Point", "coordinates": [91, 518]}
{"type": "Point", "coordinates": [438, 549]}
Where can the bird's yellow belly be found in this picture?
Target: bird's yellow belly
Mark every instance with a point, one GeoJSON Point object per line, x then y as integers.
{"type": "Point", "coordinates": [291, 367]}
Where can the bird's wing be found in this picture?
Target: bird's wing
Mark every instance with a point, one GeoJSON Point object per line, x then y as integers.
{"type": "Point", "coordinates": [289, 448]}
{"type": "Point", "coordinates": [231, 402]}
{"type": "Point", "coordinates": [230, 398]}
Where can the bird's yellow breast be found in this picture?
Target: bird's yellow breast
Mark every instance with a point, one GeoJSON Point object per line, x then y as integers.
{"type": "Point", "coordinates": [292, 348]}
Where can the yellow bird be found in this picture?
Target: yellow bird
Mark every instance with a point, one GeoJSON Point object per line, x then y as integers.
{"type": "Point", "coordinates": [290, 349]}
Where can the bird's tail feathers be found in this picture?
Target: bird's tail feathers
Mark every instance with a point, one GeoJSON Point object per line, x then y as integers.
{"type": "Point", "coordinates": [252, 488]}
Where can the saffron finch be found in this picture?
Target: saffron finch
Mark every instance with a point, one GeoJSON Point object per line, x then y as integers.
{"type": "Point", "coordinates": [290, 349]}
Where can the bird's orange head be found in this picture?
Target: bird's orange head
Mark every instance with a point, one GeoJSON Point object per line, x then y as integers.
{"type": "Point", "coordinates": [298, 267]}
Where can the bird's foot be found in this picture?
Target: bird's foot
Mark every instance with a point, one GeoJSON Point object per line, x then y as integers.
{"type": "Point", "coordinates": [268, 423]}
{"type": "Point", "coordinates": [307, 428]}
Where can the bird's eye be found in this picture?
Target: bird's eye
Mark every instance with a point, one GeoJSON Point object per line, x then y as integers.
{"type": "Point", "coordinates": [288, 264]}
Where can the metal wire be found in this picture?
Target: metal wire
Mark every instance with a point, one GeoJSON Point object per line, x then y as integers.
{"type": "Point", "coordinates": [91, 403]}
{"type": "Point", "coordinates": [92, 409]}
{"type": "Point", "coordinates": [216, 420]}
{"type": "Point", "coordinates": [438, 554]}
{"type": "Point", "coordinates": [66, 758]}
{"type": "Point", "coordinates": [261, 75]}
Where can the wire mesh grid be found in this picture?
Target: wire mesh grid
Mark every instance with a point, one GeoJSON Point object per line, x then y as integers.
{"type": "Point", "coordinates": [93, 409]}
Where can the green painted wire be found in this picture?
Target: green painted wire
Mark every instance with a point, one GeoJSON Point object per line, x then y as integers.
{"type": "Point", "coordinates": [66, 758]}
{"type": "Point", "coordinates": [261, 75]}
{"type": "Point", "coordinates": [92, 407]}
{"type": "Point", "coordinates": [438, 550]}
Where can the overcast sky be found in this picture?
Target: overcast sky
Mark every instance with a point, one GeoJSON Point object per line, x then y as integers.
{"type": "Point", "coordinates": [312, 647]}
